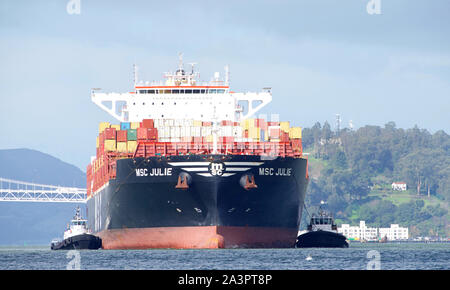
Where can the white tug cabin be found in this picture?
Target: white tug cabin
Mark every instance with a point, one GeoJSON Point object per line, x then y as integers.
{"type": "Point", "coordinates": [78, 226]}
{"type": "Point", "coordinates": [182, 96]}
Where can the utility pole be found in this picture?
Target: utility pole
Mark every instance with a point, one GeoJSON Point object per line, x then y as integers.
{"type": "Point", "coordinates": [338, 124]}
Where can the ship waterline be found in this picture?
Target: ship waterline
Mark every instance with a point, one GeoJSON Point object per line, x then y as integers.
{"type": "Point", "coordinates": [204, 237]}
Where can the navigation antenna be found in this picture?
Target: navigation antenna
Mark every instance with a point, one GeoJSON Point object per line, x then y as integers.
{"type": "Point", "coordinates": [192, 65]}
{"type": "Point", "coordinates": [227, 75]}
{"type": "Point", "coordinates": [135, 74]}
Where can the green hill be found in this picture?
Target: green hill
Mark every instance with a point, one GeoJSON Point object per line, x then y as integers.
{"type": "Point", "coordinates": [353, 171]}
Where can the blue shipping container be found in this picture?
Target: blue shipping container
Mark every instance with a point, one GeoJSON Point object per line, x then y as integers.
{"type": "Point", "coordinates": [125, 126]}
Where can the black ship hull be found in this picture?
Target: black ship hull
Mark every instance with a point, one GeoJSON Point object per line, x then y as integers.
{"type": "Point", "coordinates": [200, 201]}
{"type": "Point", "coordinates": [321, 239]}
{"type": "Point", "coordinates": [79, 242]}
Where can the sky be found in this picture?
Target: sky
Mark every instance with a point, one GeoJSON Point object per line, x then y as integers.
{"type": "Point", "coordinates": [320, 57]}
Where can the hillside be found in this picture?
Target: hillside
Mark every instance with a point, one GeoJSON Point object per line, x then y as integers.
{"type": "Point", "coordinates": [36, 223]}
{"type": "Point", "coordinates": [353, 171]}
{"type": "Point", "coordinates": [34, 166]}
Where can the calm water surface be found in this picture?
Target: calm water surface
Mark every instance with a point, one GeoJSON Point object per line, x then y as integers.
{"type": "Point", "coordinates": [426, 256]}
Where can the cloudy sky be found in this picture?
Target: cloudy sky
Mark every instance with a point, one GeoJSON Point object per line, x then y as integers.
{"type": "Point", "coordinates": [321, 57]}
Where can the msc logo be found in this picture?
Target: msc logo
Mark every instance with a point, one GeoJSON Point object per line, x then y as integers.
{"type": "Point", "coordinates": [216, 169]}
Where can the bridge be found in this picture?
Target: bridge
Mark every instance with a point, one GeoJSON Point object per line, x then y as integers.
{"type": "Point", "coordinates": [14, 190]}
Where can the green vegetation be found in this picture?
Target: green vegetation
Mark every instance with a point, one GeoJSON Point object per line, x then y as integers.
{"type": "Point", "coordinates": [353, 171]}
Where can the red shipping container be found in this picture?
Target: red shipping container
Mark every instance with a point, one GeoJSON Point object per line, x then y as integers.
{"type": "Point", "coordinates": [261, 123]}
{"type": "Point", "coordinates": [122, 136]}
{"type": "Point", "coordinates": [147, 123]}
{"type": "Point", "coordinates": [142, 133]}
{"type": "Point", "coordinates": [152, 134]}
{"type": "Point", "coordinates": [206, 124]}
{"type": "Point", "coordinates": [110, 133]}
{"type": "Point", "coordinates": [226, 123]}
{"type": "Point", "coordinates": [246, 134]}
{"type": "Point", "coordinates": [296, 144]}
{"type": "Point", "coordinates": [198, 140]}
{"type": "Point", "coordinates": [101, 138]}
{"type": "Point", "coordinates": [273, 123]}
{"type": "Point", "coordinates": [227, 140]}
{"type": "Point", "coordinates": [284, 137]}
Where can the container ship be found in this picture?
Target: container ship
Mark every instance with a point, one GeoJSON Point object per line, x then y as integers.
{"type": "Point", "coordinates": [189, 166]}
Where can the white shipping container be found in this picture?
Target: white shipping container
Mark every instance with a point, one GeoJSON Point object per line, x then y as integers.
{"type": "Point", "coordinates": [206, 131]}
{"type": "Point", "coordinates": [169, 123]}
{"type": "Point", "coordinates": [182, 131]}
{"type": "Point", "coordinates": [227, 131]}
{"type": "Point", "coordinates": [237, 131]}
{"type": "Point", "coordinates": [273, 127]}
{"type": "Point", "coordinates": [166, 131]}
{"type": "Point", "coordinates": [161, 133]}
{"type": "Point", "coordinates": [177, 131]}
{"type": "Point", "coordinates": [196, 131]}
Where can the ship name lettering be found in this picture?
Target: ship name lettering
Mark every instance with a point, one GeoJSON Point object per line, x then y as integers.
{"type": "Point", "coordinates": [276, 172]}
{"type": "Point", "coordinates": [154, 172]}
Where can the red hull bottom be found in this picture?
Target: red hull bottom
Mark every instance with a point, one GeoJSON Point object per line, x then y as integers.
{"type": "Point", "coordinates": [205, 237]}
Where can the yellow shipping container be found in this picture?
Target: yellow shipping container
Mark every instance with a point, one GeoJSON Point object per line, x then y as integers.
{"type": "Point", "coordinates": [98, 142]}
{"type": "Point", "coordinates": [102, 126]}
{"type": "Point", "coordinates": [134, 125]}
{"type": "Point", "coordinates": [117, 127]}
{"type": "Point", "coordinates": [284, 126]}
{"type": "Point", "coordinates": [247, 124]}
{"type": "Point", "coordinates": [131, 146]}
{"type": "Point", "coordinates": [122, 147]}
{"type": "Point", "coordinates": [275, 140]}
{"type": "Point", "coordinates": [209, 138]}
{"type": "Point", "coordinates": [110, 145]}
{"type": "Point", "coordinates": [253, 133]}
{"type": "Point", "coordinates": [197, 123]}
{"type": "Point", "coordinates": [295, 133]}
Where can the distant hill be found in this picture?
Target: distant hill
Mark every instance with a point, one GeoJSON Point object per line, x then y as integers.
{"type": "Point", "coordinates": [24, 223]}
{"type": "Point", "coordinates": [35, 166]}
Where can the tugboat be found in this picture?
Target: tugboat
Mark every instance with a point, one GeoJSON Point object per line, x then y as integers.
{"type": "Point", "coordinates": [321, 233]}
{"type": "Point", "coordinates": [77, 236]}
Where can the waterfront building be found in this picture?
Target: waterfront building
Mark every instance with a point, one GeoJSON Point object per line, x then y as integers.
{"type": "Point", "coordinates": [365, 233]}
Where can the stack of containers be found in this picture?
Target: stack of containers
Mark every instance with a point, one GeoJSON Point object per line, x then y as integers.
{"type": "Point", "coordinates": [125, 137]}
{"type": "Point", "coordinates": [250, 136]}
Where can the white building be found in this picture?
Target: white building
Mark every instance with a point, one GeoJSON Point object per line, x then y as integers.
{"type": "Point", "coordinates": [399, 186]}
{"type": "Point", "coordinates": [395, 232]}
{"type": "Point", "coordinates": [373, 234]}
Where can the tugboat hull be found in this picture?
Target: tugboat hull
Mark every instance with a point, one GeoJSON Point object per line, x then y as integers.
{"type": "Point", "coordinates": [79, 242]}
{"type": "Point", "coordinates": [321, 239]}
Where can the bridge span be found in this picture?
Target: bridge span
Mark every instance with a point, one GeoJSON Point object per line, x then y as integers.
{"type": "Point", "coordinates": [14, 190]}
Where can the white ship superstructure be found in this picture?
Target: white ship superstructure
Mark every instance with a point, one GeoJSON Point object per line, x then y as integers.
{"type": "Point", "coordinates": [181, 96]}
